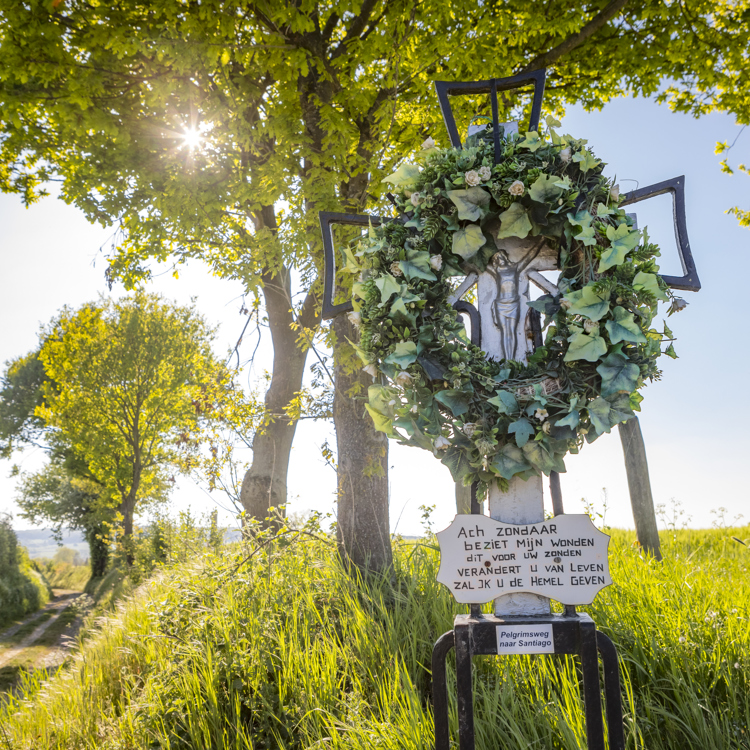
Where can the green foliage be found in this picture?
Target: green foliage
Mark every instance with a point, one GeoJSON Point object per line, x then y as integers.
{"type": "Point", "coordinates": [22, 588]}
{"type": "Point", "coordinates": [436, 390]}
{"type": "Point", "coordinates": [274, 644]}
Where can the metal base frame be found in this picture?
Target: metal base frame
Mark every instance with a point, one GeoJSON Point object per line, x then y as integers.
{"type": "Point", "coordinates": [573, 634]}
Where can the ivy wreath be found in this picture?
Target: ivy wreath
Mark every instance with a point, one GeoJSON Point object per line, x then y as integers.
{"type": "Point", "coordinates": [490, 420]}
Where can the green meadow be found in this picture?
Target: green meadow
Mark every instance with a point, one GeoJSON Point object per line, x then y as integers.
{"type": "Point", "coordinates": [272, 644]}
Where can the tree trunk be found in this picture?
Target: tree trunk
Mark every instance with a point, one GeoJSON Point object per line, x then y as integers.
{"type": "Point", "coordinates": [96, 537]}
{"type": "Point", "coordinates": [127, 509]}
{"type": "Point", "coordinates": [639, 484]}
{"type": "Point", "coordinates": [363, 524]}
{"type": "Point", "coordinates": [264, 484]}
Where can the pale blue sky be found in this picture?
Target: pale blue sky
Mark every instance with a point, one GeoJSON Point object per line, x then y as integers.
{"type": "Point", "coordinates": [695, 421]}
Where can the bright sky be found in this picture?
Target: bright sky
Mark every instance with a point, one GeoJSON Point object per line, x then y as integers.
{"type": "Point", "coordinates": [695, 420]}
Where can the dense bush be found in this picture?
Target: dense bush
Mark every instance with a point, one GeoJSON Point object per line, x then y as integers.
{"type": "Point", "coordinates": [22, 587]}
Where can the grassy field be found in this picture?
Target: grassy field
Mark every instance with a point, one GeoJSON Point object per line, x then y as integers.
{"type": "Point", "coordinates": [275, 646]}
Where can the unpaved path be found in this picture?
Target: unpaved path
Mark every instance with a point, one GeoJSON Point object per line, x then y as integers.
{"type": "Point", "coordinates": [11, 652]}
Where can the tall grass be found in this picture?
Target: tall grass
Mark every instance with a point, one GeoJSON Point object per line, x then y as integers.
{"type": "Point", "coordinates": [275, 645]}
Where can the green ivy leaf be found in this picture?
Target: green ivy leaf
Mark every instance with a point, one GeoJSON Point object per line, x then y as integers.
{"type": "Point", "coordinates": [404, 354]}
{"type": "Point", "coordinates": [532, 141]}
{"type": "Point", "coordinates": [586, 236]}
{"type": "Point", "coordinates": [417, 265]}
{"type": "Point", "coordinates": [467, 241]}
{"type": "Point", "coordinates": [623, 240]}
{"type": "Point", "coordinates": [545, 189]}
{"type": "Point", "coordinates": [379, 398]}
{"type": "Point", "coordinates": [381, 422]}
{"type": "Point", "coordinates": [619, 374]}
{"type": "Point", "coordinates": [510, 461]}
{"type": "Point", "coordinates": [620, 409]}
{"type": "Point", "coordinates": [635, 399]}
{"type": "Point", "coordinates": [522, 429]}
{"type": "Point", "coordinates": [599, 410]}
{"type": "Point", "coordinates": [585, 346]}
{"type": "Point", "coordinates": [472, 204]}
{"type": "Point", "coordinates": [401, 314]}
{"type": "Point", "coordinates": [586, 160]}
{"type": "Point", "coordinates": [541, 458]}
{"type": "Point", "coordinates": [571, 420]}
{"type": "Point", "coordinates": [405, 175]}
{"type": "Point", "coordinates": [588, 303]}
{"type": "Point", "coordinates": [622, 327]}
{"type": "Point", "coordinates": [456, 401]}
{"type": "Point", "coordinates": [387, 286]}
{"type": "Point", "coordinates": [670, 352]}
{"type": "Point", "coordinates": [457, 461]}
{"type": "Point", "coordinates": [514, 222]}
{"type": "Point", "coordinates": [583, 218]}
{"type": "Point", "coordinates": [649, 283]}
{"type": "Point", "coordinates": [505, 402]}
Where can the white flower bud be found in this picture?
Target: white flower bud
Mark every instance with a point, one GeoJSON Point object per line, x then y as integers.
{"type": "Point", "coordinates": [565, 155]}
{"type": "Point", "coordinates": [371, 370]}
{"type": "Point", "coordinates": [441, 443]}
{"type": "Point", "coordinates": [354, 318]}
{"type": "Point", "coordinates": [565, 304]}
{"type": "Point", "coordinates": [547, 428]}
{"type": "Point", "coordinates": [614, 193]}
{"type": "Point", "coordinates": [428, 143]}
{"type": "Point", "coordinates": [590, 325]}
{"type": "Point", "coordinates": [469, 429]}
{"type": "Point", "coordinates": [396, 269]}
{"type": "Point", "coordinates": [436, 262]}
{"type": "Point", "coordinates": [485, 173]}
{"type": "Point", "coordinates": [416, 198]}
{"type": "Point", "coordinates": [472, 178]}
{"type": "Point", "coordinates": [403, 378]}
{"type": "Point", "coordinates": [516, 188]}
{"type": "Point", "coordinates": [678, 304]}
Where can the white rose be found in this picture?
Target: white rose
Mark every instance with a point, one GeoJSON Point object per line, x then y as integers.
{"type": "Point", "coordinates": [403, 378]}
{"type": "Point", "coordinates": [428, 143]}
{"type": "Point", "coordinates": [541, 414]}
{"type": "Point", "coordinates": [678, 304]}
{"type": "Point", "coordinates": [565, 155]}
{"type": "Point", "coordinates": [590, 325]}
{"type": "Point", "coordinates": [396, 269]}
{"type": "Point", "coordinates": [436, 262]}
{"type": "Point", "coordinates": [516, 188]}
{"type": "Point", "coordinates": [371, 370]}
{"type": "Point", "coordinates": [472, 178]}
{"type": "Point", "coordinates": [354, 318]}
{"type": "Point", "coordinates": [441, 443]}
{"type": "Point", "coordinates": [485, 173]}
{"type": "Point", "coordinates": [416, 199]}
{"type": "Point", "coordinates": [469, 429]}
{"type": "Point", "coordinates": [614, 193]}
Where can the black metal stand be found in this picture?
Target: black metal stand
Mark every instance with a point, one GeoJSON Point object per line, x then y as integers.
{"type": "Point", "coordinates": [573, 634]}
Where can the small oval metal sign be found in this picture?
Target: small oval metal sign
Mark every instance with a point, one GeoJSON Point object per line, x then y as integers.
{"type": "Point", "coordinates": [564, 559]}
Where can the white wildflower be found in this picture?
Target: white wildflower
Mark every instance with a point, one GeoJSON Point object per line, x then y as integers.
{"type": "Point", "coordinates": [371, 370]}
{"type": "Point", "coordinates": [428, 143]}
{"type": "Point", "coordinates": [469, 429]}
{"type": "Point", "coordinates": [436, 262]}
{"type": "Point", "coordinates": [590, 325]}
{"type": "Point", "coordinates": [414, 409]}
{"type": "Point", "coordinates": [472, 178]}
{"type": "Point", "coordinates": [354, 318]}
{"type": "Point", "coordinates": [736, 665]}
{"type": "Point", "coordinates": [565, 155]}
{"type": "Point", "coordinates": [541, 414]}
{"type": "Point", "coordinates": [416, 198]}
{"type": "Point", "coordinates": [485, 173]}
{"type": "Point", "coordinates": [396, 268]}
{"type": "Point", "coordinates": [682, 639]}
{"type": "Point", "coordinates": [392, 402]}
{"type": "Point", "coordinates": [403, 378]}
{"type": "Point", "coordinates": [441, 443]}
{"type": "Point", "coordinates": [614, 193]}
{"type": "Point", "coordinates": [517, 188]}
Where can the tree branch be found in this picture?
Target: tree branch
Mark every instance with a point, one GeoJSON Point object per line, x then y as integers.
{"type": "Point", "coordinates": [573, 41]}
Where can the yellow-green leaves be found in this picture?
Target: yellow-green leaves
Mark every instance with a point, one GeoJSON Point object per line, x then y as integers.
{"type": "Point", "coordinates": [648, 283]}
{"type": "Point", "coordinates": [532, 141]}
{"type": "Point", "coordinates": [585, 346]}
{"type": "Point", "coordinates": [514, 222]}
{"type": "Point", "coordinates": [403, 355]}
{"type": "Point", "coordinates": [387, 286]}
{"type": "Point", "coordinates": [405, 176]}
{"type": "Point", "coordinates": [586, 160]}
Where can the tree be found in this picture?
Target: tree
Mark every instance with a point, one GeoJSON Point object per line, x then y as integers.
{"type": "Point", "coordinates": [215, 131]}
{"type": "Point", "coordinates": [128, 387]}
